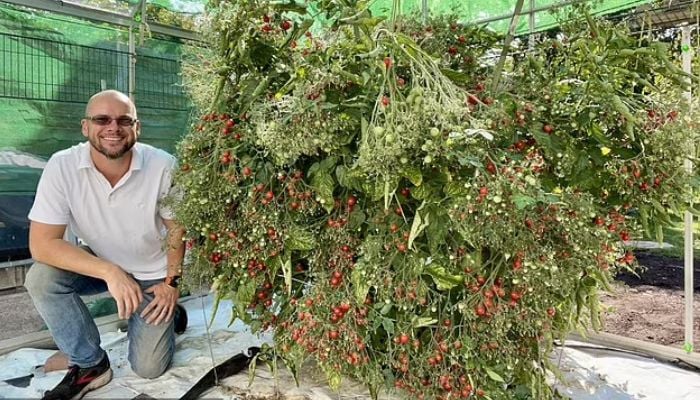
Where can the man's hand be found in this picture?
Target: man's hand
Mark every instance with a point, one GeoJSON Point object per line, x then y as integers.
{"type": "Point", "coordinates": [126, 292]}
{"type": "Point", "coordinates": [162, 307]}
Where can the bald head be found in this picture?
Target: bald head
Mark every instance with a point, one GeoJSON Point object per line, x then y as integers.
{"type": "Point", "coordinates": [111, 125]}
{"type": "Point", "coordinates": [110, 96]}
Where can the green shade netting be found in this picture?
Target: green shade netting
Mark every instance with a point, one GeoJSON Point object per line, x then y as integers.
{"type": "Point", "coordinates": [480, 10]}
{"type": "Point", "coordinates": [51, 64]}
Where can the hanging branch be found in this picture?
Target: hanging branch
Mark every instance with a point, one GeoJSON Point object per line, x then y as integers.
{"type": "Point", "coordinates": [509, 38]}
{"type": "Point", "coordinates": [395, 12]}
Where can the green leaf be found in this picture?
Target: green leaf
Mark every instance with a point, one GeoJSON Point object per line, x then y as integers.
{"type": "Point", "coordinates": [368, 22]}
{"type": "Point", "coordinates": [297, 32]}
{"type": "Point", "coordinates": [386, 308]}
{"type": "Point", "coordinates": [593, 305]}
{"type": "Point", "coordinates": [521, 201]}
{"type": "Point", "coordinates": [217, 302]}
{"type": "Point", "coordinates": [389, 191]}
{"type": "Point", "coordinates": [473, 161]}
{"type": "Point", "coordinates": [413, 173]}
{"type": "Point", "coordinates": [374, 189]}
{"type": "Point", "coordinates": [597, 133]}
{"type": "Point", "coordinates": [442, 279]}
{"type": "Point", "coordinates": [602, 279]}
{"type": "Point", "coordinates": [437, 230]}
{"type": "Point", "coordinates": [244, 296]}
{"type": "Point", "coordinates": [363, 126]}
{"type": "Point", "coordinates": [418, 226]}
{"type": "Point", "coordinates": [356, 219]}
{"type": "Point", "coordinates": [349, 178]}
{"type": "Point", "coordinates": [549, 142]}
{"type": "Point", "coordinates": [688, 348]}
{"type": "Point", "coordinates": [299, 239]}
{"type": "Point", "coordinates": [422, 192]}
{"type": "Point", "coordinates": [324, 184]}
{"type": "Point", "coordinates": [388, 326]}
{"type": "Point", "coordinates": [360, 284]}
{"type": "Point", "coordinates": [493, 375]}
{"type": "Point", "coordinates": [261, 53]}
{"type": "Point", "coordinates": [661, 216]}
{"type": "Point", "coordinates": [659, 233]}
{"type": "Point", "coordinates": [251, 369]}
{"type": "Point", "coordinates": [419, 322]}
{"type": "Point", "coordinates": [619, 106]}
{"type": "Point", "coordinates": [455, 189]}
{"type": "Point", "coordinates": [644, 216]}
{"type": "Point", "coordinates": [334, 378]}
{"type": "Point", "coordinates": [291, 7]}
{"type": "Point", "coordinates": [588, 282]}
{"type": "Point", "coordinates": [326, 165]}
{"type": "Point", "coordinates": [459, 78]}
{"type": "Point", "coordinates": [341, 173]}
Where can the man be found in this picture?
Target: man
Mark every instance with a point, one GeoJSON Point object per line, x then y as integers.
{"type": "Point", "coordinates": [109, 190]}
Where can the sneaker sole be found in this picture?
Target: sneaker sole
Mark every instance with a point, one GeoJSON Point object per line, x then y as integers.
{"type": "Point", "coordinates": [95, 384]}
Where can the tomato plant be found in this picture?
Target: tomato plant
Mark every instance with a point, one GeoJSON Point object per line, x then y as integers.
{"type": "Point", "coordinates": [366, 193]}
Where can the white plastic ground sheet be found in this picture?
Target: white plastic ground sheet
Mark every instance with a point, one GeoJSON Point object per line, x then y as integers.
{"type": "Point", "coordinates": [590, 373]}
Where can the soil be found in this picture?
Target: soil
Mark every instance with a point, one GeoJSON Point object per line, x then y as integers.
{"type": "Point", "coordinates": [650, 306]}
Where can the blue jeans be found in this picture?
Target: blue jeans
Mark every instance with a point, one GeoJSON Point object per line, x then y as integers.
{"type": "Point", "coordinates": [56, 295]}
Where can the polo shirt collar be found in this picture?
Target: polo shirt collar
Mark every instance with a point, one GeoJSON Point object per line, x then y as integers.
{"type": "Point", "coordinates": [85, 160]}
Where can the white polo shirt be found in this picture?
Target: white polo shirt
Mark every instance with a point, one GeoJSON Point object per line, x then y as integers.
{"type": "Point", "coordinates": [121, 224]}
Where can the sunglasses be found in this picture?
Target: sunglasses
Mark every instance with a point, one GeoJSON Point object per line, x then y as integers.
{"type": "Point", "coordinates": [104, 120]}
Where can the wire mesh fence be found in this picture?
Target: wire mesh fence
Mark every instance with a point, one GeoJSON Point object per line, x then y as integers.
{"type": "Point", "coordinates": [159, 84]}
{"type": "Point", "coordinates": [41, 69]}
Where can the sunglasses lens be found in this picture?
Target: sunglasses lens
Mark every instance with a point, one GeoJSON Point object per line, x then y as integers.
{"type": "Point", "coordinates": [102, 120]}
{"type": "Point", "coordinates": [125, 121]}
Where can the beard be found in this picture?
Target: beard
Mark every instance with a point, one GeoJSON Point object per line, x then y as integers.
{"type": "Point", "coordinates": [113, 153]}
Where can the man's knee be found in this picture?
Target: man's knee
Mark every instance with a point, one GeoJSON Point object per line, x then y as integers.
{"type": "Point", "coordinates": [38, 280]}
{"type": "Point", "coordinates": [149, 367]}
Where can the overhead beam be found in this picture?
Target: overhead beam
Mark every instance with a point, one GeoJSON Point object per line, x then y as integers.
{"type": "Point", "coordinates": [528, 11]}
{"type": "Point", "coordinates": [94, 14]}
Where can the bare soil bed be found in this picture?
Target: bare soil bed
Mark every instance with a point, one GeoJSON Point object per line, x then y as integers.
{"type": "Point", "coordinates": [650, 306]}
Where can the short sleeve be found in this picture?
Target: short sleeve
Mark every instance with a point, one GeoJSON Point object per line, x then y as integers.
{"type": "Point", "coordinates": [51, 203]}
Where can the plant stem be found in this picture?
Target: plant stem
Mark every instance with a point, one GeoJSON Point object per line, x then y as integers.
{"type": "Point", "coordinates": [217, 94]}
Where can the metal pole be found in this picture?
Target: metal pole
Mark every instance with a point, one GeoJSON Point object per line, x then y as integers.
{"type": "Point", "coordinates": [132, 64]}
{"type": "Point", "coordinates": [506, 44]}
{"type": "Point", "coordinates": [688, 243]}
{"type": "Point", "coordinates": [143, 22]}
{"type": "Point", "coordinates": [531, 21]}
{"type": "Point", "coordinates": [18, 263]}
{"type": "Point", "coordinates": [424, 10]}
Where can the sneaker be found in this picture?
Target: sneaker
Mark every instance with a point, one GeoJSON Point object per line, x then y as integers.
{"type": "Point", "coordinates": [78, 381]}
{"type": "Point", "coordinates": [180, 319]}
